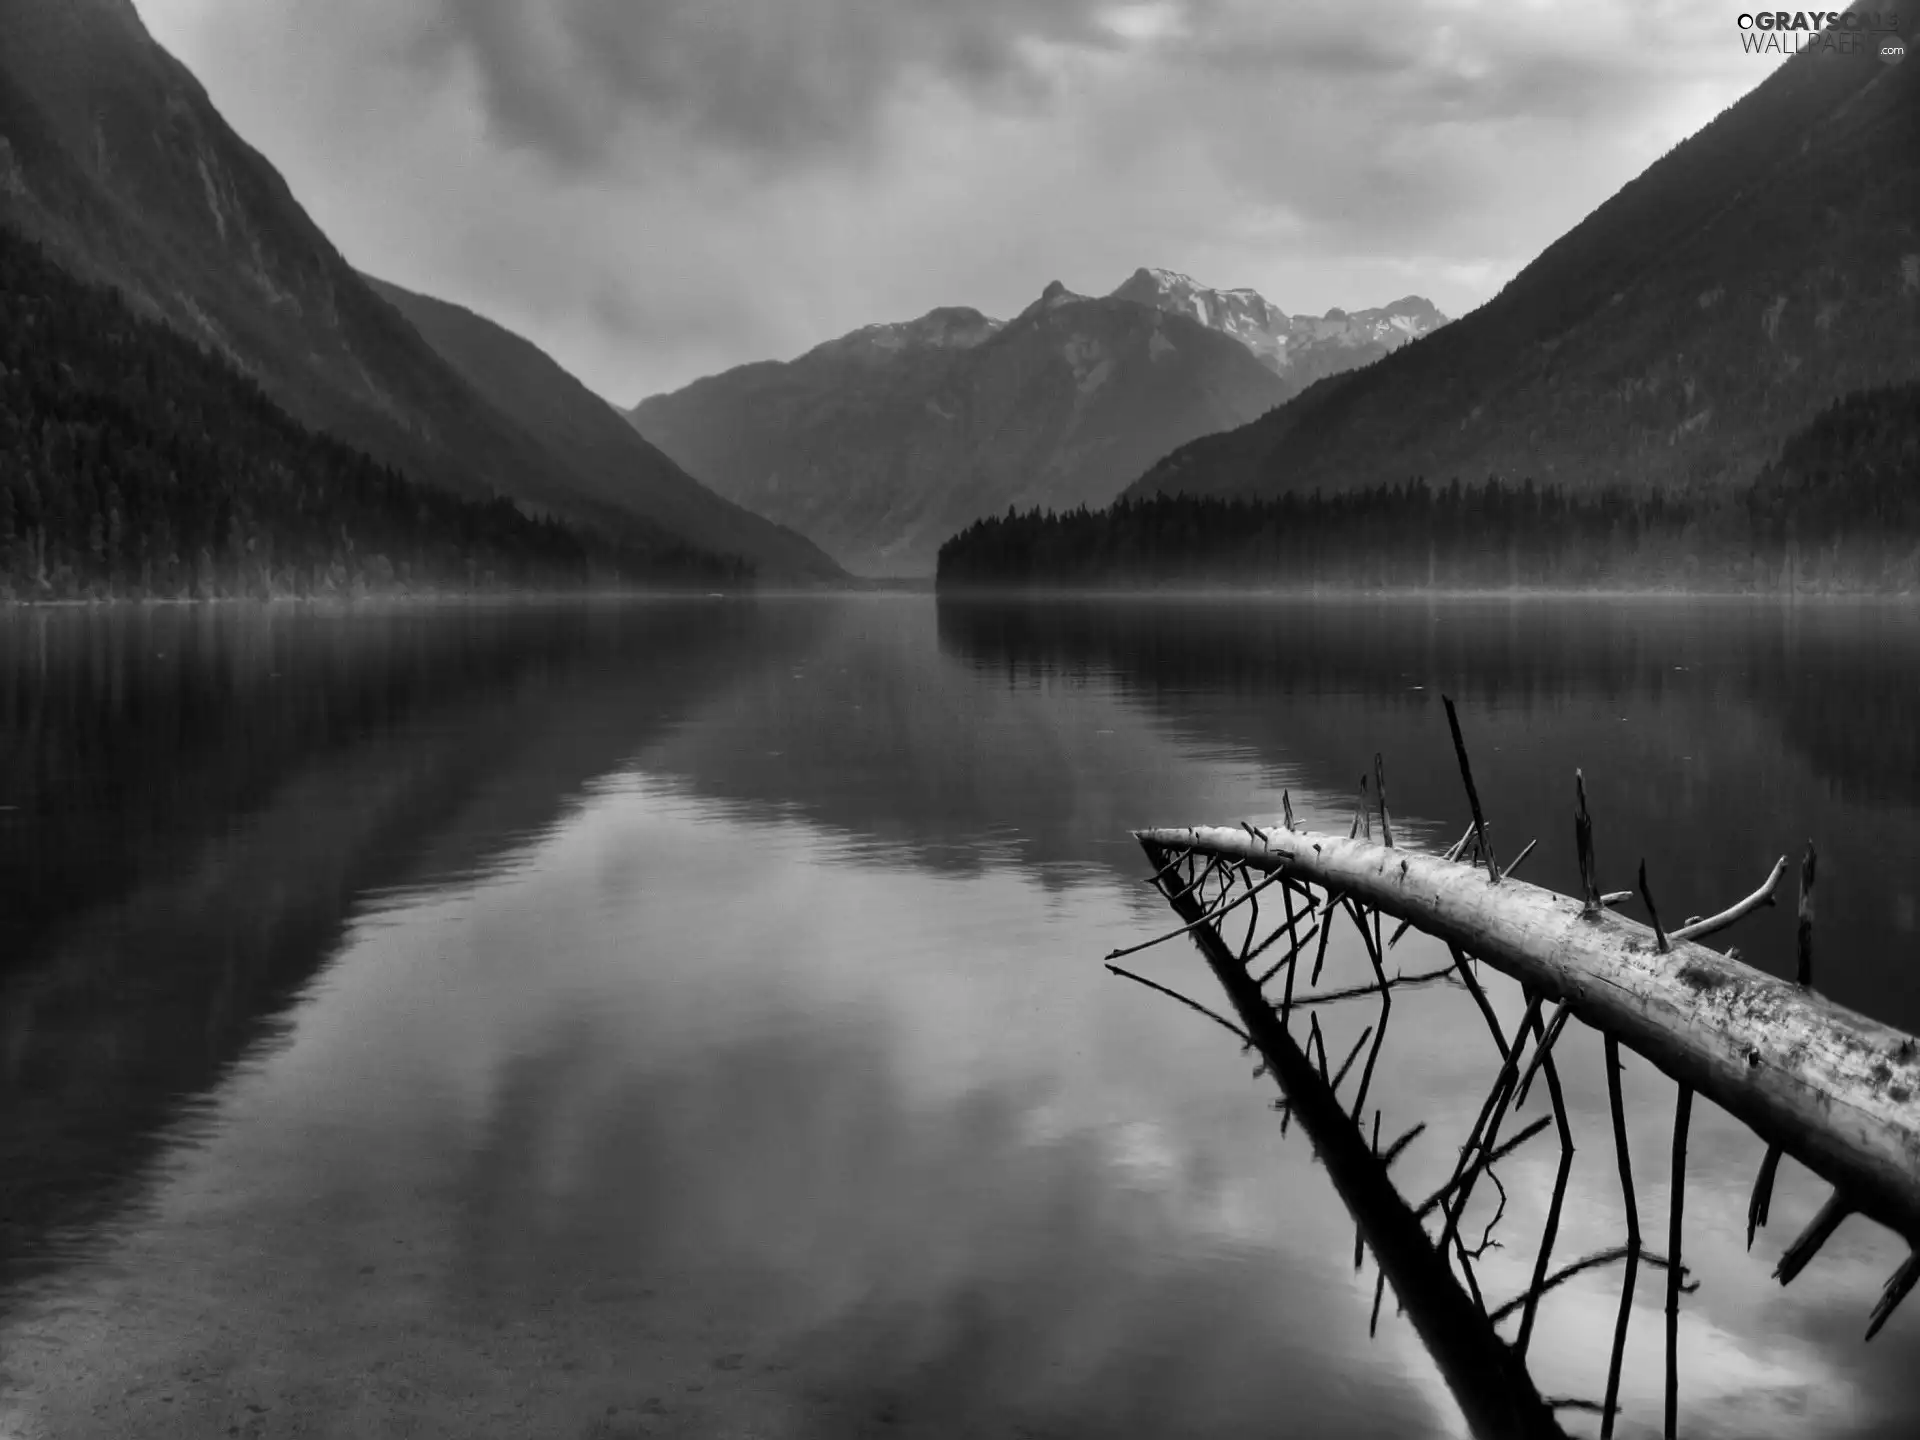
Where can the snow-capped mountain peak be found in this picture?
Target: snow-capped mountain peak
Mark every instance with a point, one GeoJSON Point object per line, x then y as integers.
{"type": "Point", "coordinates": [1302, 347]}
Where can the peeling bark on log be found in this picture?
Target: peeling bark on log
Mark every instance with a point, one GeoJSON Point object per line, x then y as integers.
{"type": "Point", "coordinates": [1834, 1089]}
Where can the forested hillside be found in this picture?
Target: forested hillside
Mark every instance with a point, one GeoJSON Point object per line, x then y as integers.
{"type": "Point", "coordinates": [132, 462]}
{"type": "Point", "coordinates": [1838, 510]}
{"type": "Point", "coordinates": [113, 156]}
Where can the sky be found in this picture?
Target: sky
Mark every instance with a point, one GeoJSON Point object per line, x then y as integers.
{"type": "Point", "coordinates": [655, 190]}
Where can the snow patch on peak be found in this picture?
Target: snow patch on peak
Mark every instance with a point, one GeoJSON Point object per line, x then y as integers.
{"type": "Point", "coordinates": [949, 327]}
{"type": "Point", "coordinates": [1278, 339]}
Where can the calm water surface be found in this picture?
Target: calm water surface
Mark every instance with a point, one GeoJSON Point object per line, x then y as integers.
{"type": "Point", "coordinates": [686, 1018]}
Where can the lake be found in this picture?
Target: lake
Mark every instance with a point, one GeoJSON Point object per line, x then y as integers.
{"type": "Point", "coordinates": [686, 1017]}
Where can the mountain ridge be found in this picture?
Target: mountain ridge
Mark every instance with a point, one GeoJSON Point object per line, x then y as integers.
{"type": "Point", "coordinates": [881, 443]}
{"type": "Point", "coordinates": [114, 158]}
{"type": "Point", "coordinates": [1299, 348]}
{"type": "Point", "coordinates": [570, 421]}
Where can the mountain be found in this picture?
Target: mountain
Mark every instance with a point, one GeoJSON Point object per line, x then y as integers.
{"type": "Point", "coordinates": [1299, 348]}
{"type": "Point", "coordinates": [113, 157]}
{"type": "Point", "coordinates": [134, 463]}
{"type": "Point", "coordinates": [1674, 338]}
{"type": "Point", "coordinates": [885, 441]}
{"type": "Point", "coordinates": [591, 438]}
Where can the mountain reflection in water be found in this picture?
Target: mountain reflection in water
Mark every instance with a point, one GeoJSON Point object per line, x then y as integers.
{"type": "Point", "coordinates": [684, 1017]}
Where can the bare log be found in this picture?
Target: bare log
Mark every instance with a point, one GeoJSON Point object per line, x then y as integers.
{"type": "Point", "coordinates": [1830, 1086]}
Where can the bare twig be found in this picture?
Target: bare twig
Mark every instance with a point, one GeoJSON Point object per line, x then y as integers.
{"type": "Point", "coordinates": [1473, 796]}
{"type": "Point", "coordinates": [1677, 1199]}
{"type": "Point", "coordinates": [1206, 919]}
{"type": "Point", "coordinates": [1621, 1155]}
{"type": "Point", "coordinates": [1530, 1302]}
{"type": "Point", "coordinates": [1169, 867]}
{"type": "Point", "coordinates": [1894, 1292]}
{"type": "Point", "coordinates": [1761, 1201]}
{"type": "Point", "coordinates": [1580, 1267]}
{"type": "Point", "coordinates": [1646, 898]}
{"type": "Point", "coordinates": [1380, 790]}
{"type": "Point", "coordinates": [1803, 970]}
{"type": "Point", "coordinates": [1392, 1152]}
{"type": "Point", "coordinates": [1542, 1049]}
{"type": "Point", "coordinates": [1551, 1231]}
{"type": "Point", "coordinates": [1479, 998]}
{"type": "Point", "coordinates": [1292, 953]}
{"type": "Point", "coordinates": [1487, 1242]}
{"type": "Point", "coordinates": [1806, 1245]}
{"type": "Point", "coordinates": [1347, 1064]}
{"type": "Point", "coordinates": [1195, 1005]}
{"type": "Point", "coordinates": [1583, 846]}
{"type": "Point", "coordinates": [1326, 933]}
{"type": "Point", "coordinates": [1713, 924]}
{"type": "Point", "coordinates": [1331, 997]}
{"type": "Point", "coordinates": [1515, 863]}
{"type": "Point", "coordinates": [1476, 1167]}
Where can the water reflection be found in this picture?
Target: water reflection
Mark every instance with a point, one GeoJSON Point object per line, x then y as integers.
{"type": "Point", "coordinates": [686, 1018]}
{"type": "Point", "coordinates": [1715, 736]}
{"type": "Point", "coordinates": [199, 800]}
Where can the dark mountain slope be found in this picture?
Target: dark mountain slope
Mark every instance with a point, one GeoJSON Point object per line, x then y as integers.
{"type": "Point", "coordinates": [884, 442]}
{"type": "Point", "coordinates": [112, 155]}
{"type": "Point", "coordinates": [1763, 267]}
{"type": "Point", "coordinates": [590, 437]}
{"type": "Point", "coordinates": [133, 462]}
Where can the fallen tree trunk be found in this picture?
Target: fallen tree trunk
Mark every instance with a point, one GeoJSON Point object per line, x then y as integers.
{"type": "Point", "coordinates": [1834, 1089]}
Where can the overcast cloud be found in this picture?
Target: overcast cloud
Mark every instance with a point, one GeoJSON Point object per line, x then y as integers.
{"type": "Point", "coordinates": [658, 189]}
